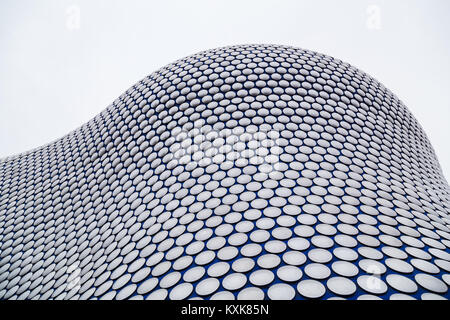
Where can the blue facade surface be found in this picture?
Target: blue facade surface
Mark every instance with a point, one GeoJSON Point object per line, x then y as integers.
{"type": "Point", "coordinates": [243, 172]}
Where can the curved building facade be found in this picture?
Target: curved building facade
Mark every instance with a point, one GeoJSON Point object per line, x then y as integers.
{"type": "Point", "coordinates": [244, 172]}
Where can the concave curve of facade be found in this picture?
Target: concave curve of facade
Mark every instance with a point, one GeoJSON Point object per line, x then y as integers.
{"type": "Point", "coordinates": [243, 172]}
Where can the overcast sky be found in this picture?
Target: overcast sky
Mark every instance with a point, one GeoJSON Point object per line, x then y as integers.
{"type": "Point", "coordinates": [62, 62]}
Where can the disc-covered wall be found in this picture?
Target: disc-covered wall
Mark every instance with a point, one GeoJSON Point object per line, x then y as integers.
{"type": "Point", "coordinates": [244, 172]}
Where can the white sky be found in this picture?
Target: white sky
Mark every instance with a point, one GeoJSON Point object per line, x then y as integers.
{"type": "Point", "coordinates": [56, 74]}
